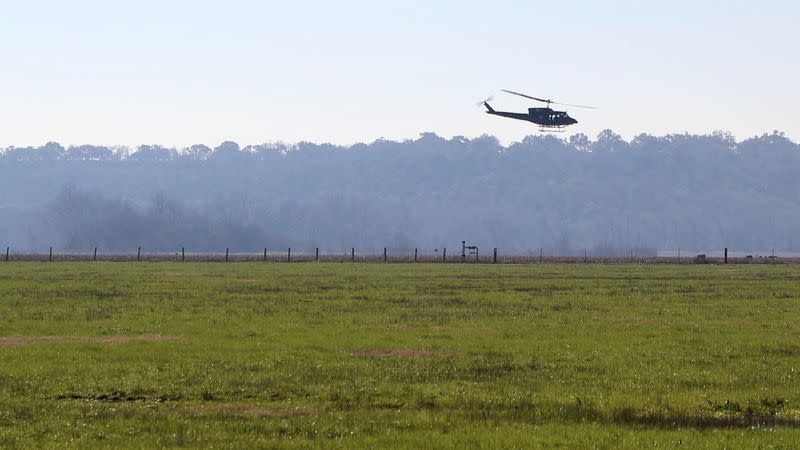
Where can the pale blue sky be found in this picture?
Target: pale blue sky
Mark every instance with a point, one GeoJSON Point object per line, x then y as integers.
{"type": "Point", "coordinates": [184, 72]}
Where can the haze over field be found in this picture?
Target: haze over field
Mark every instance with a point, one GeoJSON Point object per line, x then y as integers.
{"type": "Point", "coordinates": [181, 72]}
{"type": "Point", "coordinates": [605, 194]}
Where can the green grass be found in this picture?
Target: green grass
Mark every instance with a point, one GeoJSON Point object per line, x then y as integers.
{"type": "Point", "coordinates": [293, 355]}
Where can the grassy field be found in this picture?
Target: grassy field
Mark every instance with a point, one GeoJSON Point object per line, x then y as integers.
{"type": "Point", "coordinates": [362, 355]}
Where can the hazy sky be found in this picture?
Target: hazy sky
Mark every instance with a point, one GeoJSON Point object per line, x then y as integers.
{"type": "Point", "coordinates": [185, 72]}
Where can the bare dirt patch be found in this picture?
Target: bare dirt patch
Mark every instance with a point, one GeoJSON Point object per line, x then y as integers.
{"type": "Point", "coordinates": [21, 341]}
{"type": "Point", "coordinates": [395, 353]}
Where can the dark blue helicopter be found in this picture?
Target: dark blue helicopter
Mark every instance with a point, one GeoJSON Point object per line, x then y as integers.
{"type": "Point", "coordinates": [547, 118]}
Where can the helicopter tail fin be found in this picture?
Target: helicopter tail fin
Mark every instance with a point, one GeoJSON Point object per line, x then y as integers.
{"type": "Point", "coordinates": [488, 108]}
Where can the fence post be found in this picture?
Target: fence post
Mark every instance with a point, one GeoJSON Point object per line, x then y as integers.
{"type": "Point", "coordinates": [183, 254]}
{"type": "Point", "coordinates": [415, 255]}
{"type": "Point", "coordinates": [444, 254]}
{"type": "Point", "coordinates": [316, 255]}
{"type": "Point", "coordinates": [494, 258]}
{"type": "Point", "coordinates": [50, 258]}
{"type": "Point", "coordinates": [7, 250]}
{"type": "Point", "coordinates": [94, 257]}
{"type": "Point", "coordinates": [353, 254]}
{"type": "Point", "coordinates": [384, 254]}
{"type": "Point", "coordinates": [226, 254]}
{"type": "Point", "coordinates": [139, 254]}
{"type": "Point", "coordinates": [265, 254]}
{"type": "Point", "coordinates": [726, 255]}
{"type": "Point", "coordinates": [289, 255]}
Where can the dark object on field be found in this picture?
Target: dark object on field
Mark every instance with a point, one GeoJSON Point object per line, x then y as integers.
{"type": "Point", "coordinates": [8, 249]}
{"type": "Point", "coordinates": [50, 258]}
{"type": "Point", "coordinates": [547, 118]}
{"type": "Point", "coordinates": [701, 259]}
{"type": "Point", "coordinates": [726, 255]}
{"type": "Point", "coordinates": [473, 250]}
{"type": "Point", "coordinates": [748, 257]}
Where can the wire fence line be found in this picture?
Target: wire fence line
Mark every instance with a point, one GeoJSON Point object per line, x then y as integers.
{"type": "Point", "coordinates": [354, 255]}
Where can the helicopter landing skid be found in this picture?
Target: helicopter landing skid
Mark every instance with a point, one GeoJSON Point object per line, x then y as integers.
{"type": "Point", "coordinates": [554, 129]}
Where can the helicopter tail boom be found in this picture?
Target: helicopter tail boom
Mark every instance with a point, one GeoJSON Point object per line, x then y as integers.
{"type": "Point", "coordinates": [488, 108]}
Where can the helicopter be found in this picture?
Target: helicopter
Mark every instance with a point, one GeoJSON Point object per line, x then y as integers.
{"type": "Point", "coordinates": [547, 118]}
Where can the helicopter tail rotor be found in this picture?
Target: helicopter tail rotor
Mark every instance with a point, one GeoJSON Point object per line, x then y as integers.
{"type": "Point", "coordinates": [483, 102]}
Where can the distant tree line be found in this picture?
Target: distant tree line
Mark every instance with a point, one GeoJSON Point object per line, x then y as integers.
{"type": "Point", "coordinates": [607, 195]}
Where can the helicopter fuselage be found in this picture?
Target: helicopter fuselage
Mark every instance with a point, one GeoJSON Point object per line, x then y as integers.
{"type": "Point", "coordinates": [544, 117]}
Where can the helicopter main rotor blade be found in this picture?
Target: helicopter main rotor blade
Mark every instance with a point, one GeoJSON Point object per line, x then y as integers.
{"type": "Point", "coordinates": [527, 96]}
{"type": "Point", "coordinates": [547, 101]}
{"type": "Point", "coordinates": [576, 106]}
